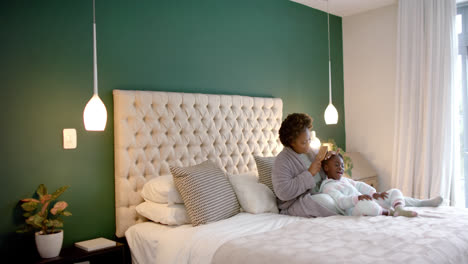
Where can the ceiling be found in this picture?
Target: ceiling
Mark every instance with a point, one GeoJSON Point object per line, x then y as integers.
{"type": "Point", "coordinates": [344, 8]}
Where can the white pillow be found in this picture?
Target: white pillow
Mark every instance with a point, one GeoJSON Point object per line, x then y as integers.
{"type": "Point", "coordinates": [163, 213]}
{"type": "Point", "coordinates": [173, 197]}
{"type": "Point", "coordinates": [254, 197]}
{"type": "Point", "coordinates": [161, 190]}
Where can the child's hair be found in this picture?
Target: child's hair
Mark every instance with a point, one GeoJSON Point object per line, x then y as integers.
{"type": "Point", "coordinates": [326, 161]}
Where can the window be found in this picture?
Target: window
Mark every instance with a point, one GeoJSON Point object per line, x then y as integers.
{"type": "Point", "coordinates": [461, 95]}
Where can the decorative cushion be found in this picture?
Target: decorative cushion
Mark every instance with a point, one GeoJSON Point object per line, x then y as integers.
{"type": "Point", "coordinates": [161, 190]}
{"type": "Point", "coordinates": [254, 197]}
{"type": "Point", "coordinates": [264, 167]}
{"type": "Point", "coordinates": [206, 192]}
{"type": "Point", "coordinates": [163, 213]}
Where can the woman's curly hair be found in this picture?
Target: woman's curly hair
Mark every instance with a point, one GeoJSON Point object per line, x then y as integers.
{"type": "Point", "coordinates": [293, 126]}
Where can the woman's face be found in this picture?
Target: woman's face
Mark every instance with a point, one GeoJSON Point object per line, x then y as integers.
{"type": "Point", "coordinates": [301, 143]}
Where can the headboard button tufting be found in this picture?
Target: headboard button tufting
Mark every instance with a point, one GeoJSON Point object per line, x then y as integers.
{"type": "Point", "coordinates": [155, 129]}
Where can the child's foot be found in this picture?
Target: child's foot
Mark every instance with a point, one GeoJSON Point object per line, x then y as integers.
{"type": "Point", "coordinates": [434, 202]}
{"type": "Point", "coordinates": [400, 211]}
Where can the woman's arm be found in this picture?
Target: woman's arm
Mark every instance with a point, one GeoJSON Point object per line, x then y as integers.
{"type": "Point", "coordinates": [288, 186]}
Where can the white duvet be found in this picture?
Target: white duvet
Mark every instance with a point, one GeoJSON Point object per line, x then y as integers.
{"type": "Point", "coordinates": [438, 235]}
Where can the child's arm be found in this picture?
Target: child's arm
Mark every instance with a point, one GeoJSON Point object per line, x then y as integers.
{"type": "Point", "coordinates": [362, 187]}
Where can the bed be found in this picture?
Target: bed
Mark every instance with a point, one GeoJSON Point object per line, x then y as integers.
{"type": "Point", "coordinates": [156, 130]}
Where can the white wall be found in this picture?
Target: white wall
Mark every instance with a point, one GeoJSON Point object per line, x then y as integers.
{"type": "Point", "coordinates": [369, 54]}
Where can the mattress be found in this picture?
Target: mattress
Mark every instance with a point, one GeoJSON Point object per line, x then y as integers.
{"type": "Point", "coordinates": [155, 243]}
{"type": "Point", "coordinates": [438, 235]}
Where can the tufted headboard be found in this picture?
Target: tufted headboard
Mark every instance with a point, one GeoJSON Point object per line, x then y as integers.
{"type": "Point", "coordinates": [153, 130]}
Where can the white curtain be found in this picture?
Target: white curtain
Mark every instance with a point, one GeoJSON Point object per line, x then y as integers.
{"type": "Point", "coordinates": [424, 150]}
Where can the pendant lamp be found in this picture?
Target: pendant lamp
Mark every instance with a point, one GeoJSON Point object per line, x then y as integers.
{"type": "Point", "coordinates": [95, 113]}
{"type": "Point", "coordinates": [331, 115]}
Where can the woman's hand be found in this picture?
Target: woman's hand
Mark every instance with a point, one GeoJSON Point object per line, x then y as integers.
{"type": "Point", "coordinates": [315, 167]}
{"type": "Point", "coordinates": [364, 197]}
{"type": "Point", "coordinates": [382, 195]}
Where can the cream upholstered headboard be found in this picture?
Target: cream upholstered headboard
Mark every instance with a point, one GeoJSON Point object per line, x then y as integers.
{"type": "Point", "coordinates": [153, 130]}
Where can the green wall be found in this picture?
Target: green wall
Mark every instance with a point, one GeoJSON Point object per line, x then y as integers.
{"type": "Point", "coordinates": [272, 48]}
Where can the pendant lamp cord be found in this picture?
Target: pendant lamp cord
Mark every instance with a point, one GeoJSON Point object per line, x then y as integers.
{"type": "Point", "coordinates": [329, 58]}
{"type": "Point", "coordinates": [94, 51]}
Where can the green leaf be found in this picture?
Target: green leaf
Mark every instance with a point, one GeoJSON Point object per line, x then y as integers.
{"type": "Point", "coordinates": [55, 223]}
{"type": "Point", "coordinates": [41, 190]}
{"type": "Point", "coordinates": [59, 192]}
{"type": "Point", "coordinates": [66, 213]}
{"type": "Point", "coordinates": [35, 221]}
{"type": "Point", "coordinates": [29, 206]}
{"type": "Point", "coordinates": [27, 214]}
{"type": "Point", "coordinates": [38, 220]}
{"type": "Point", "coordinates": [48, 223]}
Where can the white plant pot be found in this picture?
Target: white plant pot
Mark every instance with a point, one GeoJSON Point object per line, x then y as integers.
{"type": "Point", "coordinates": [49, 245]}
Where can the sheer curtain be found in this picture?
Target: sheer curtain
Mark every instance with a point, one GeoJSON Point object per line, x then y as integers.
{"type": "Point", "coordinates": [424, 158]}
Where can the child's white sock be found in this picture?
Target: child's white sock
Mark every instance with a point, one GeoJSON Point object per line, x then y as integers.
{"type": "Point", "coordinates": [400, 211]}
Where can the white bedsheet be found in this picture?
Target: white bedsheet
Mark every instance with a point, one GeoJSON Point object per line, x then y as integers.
{"type": "Point", "coordinates": [439, 235]}
{"type": "Point", "coordinates": [153, 243]}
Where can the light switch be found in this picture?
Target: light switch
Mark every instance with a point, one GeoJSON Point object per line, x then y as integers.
{"type": "Point", "coordinates": [69, 138]}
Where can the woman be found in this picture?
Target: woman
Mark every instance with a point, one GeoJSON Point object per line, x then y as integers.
{"type": "Point", "coordinates": [296, 180]}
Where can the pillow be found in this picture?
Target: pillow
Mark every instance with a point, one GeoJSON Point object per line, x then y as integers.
{"type": "Point", "coordinates": [161, 190]}
{"type": "Point", "coordinates": [164, 213]}
{"type": "Point", "coordinates": [254, 197]}
{"type": "Point", "coordinates": [264, 167]}
{"type": "Point", "coordinates": [206, 192]}
{"type": "Point", "coordinates": [173, 197]}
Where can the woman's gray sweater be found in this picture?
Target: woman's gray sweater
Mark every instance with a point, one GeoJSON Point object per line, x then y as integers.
{"type": "Point", "coordinates": [294, 185]}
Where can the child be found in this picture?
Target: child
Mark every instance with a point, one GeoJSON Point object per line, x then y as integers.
{"type": "Point", "coordinates": [358, 198]}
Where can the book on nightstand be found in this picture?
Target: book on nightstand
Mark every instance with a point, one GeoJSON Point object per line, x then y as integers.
{"type": "Point", "coordinates": [95, 244]}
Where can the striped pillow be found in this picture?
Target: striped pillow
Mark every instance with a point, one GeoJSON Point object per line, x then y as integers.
{"type": "Point", "coordinates": [206, 191]}
{"type": "Point", "coordinates": [264, 167]}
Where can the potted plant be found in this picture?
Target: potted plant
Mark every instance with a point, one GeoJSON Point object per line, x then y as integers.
{"type": "Point", "coordinates": [44, 216]}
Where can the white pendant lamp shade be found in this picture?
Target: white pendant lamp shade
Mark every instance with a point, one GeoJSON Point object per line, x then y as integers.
{"type": "Point", "coordinates": [331, 115]}
{"type": "Point", "coordinates": [314, 142]}
{"type": "Point", "coordinates": [95, 113]}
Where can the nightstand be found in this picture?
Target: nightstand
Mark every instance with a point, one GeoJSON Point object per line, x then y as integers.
{"type": "Point", "coordinates": [72, 254]}
{"type": "Point", "coordinates": [363, 170]}
{"type": "Point", "coordinates": [372, 181]}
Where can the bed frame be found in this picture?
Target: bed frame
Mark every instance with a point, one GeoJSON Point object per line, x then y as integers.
{"type": "Point", "coordinates": [153, 130]}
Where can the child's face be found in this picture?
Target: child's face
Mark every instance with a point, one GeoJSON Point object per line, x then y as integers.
{"type": "Point", "coordinates": [334, 167]}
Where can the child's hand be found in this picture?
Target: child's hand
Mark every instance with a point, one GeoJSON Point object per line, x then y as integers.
{"type": "Point", "coordinates": [364, 197]}
{"type": "Point", "coordinates": [382, 195]}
